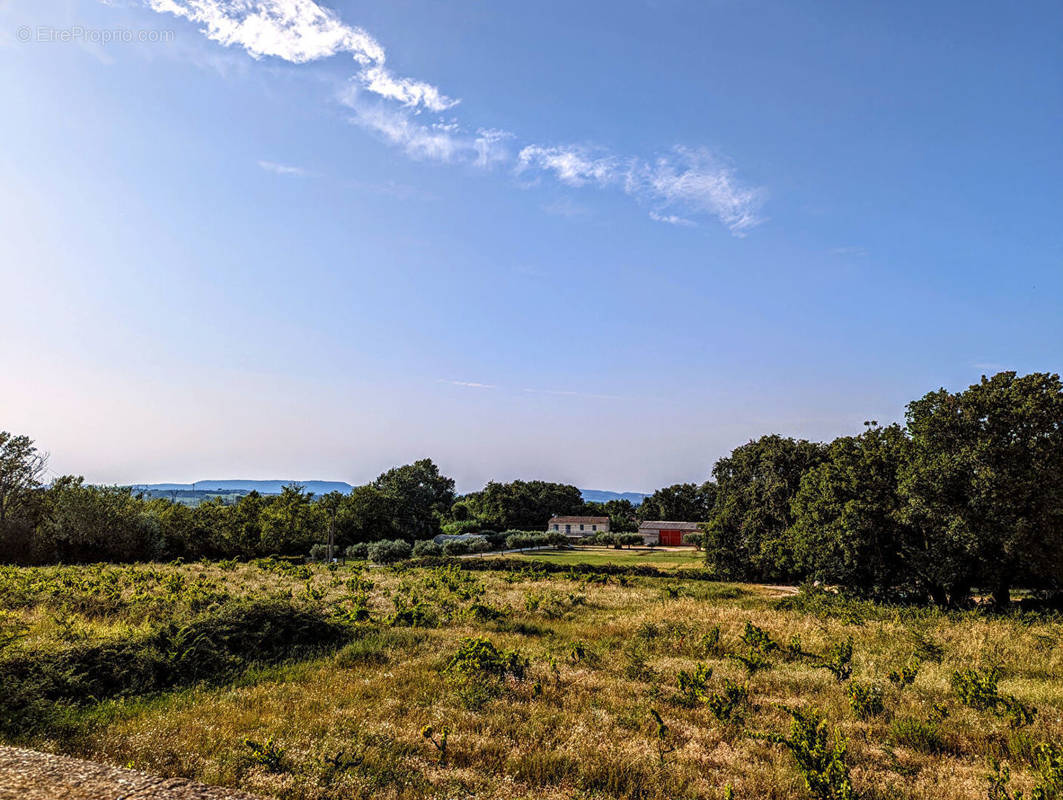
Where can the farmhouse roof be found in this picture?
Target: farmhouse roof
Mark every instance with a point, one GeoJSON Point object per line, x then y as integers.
{"type": "Point", "coordinates": [656, 525]}
{"type": "Point", "coordinates": [584, 520]}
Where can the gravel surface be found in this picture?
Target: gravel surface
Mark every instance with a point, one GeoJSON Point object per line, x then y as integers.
{"type": "Point", "coordinates": [29, 775]}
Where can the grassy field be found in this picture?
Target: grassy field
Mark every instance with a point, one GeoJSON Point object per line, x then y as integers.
{"type": "Point", "coordinates": [311, 682]}
{"type": "Point", "coordinates": [664, 559]}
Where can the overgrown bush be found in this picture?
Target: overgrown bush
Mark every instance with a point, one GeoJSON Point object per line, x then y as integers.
{"type": "Point", "coordinates": [753, 661]}
{"type": "Point", "coordinates": [977, 688]}
{"type": "Point", "coordinates": [519, 540]}
{"type": "Point", "coordinates": [357, 552]}
{"type": "Point", "coordinates": [709, 643]}
{"type": "Point", "coordinates": [34, 684]}
{"type": "Point", "coordinates": [455, 547]}
{"type": "Point", "coordinates": [758, 639]}
{"type": "Point", "coordinates": [553, 604]}
{"type": "Point", "coordinates": [693, 684]}
{"type": "Point", "coordinates": [905, 676]}
{"type": "Point", "coordinates": [480, 669]}
{"type": "Point", "coordinates": [865, 699]}
{"type": "Point", "coordinates": [1048, 760]}
{"type": "Point", "coordinates": [730, 704]}
{"type": "Point", "coordinates": [389, 552]}
{"type": "Point", "coordinates": [426, 547]}
{"type": "Point", "coordinates": [464, 526]}
{"type": "Point", "coordinates": [818, 754]}
{"type": "Point", "coordinates": [266, 754]}
{"type": "Point", "coordinates": [412, 613]}
{"type": "Point", "coordinates": [839, 660]}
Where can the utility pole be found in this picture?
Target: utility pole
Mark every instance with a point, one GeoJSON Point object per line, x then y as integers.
{"type": "Point", "coordinates": [331, 502]}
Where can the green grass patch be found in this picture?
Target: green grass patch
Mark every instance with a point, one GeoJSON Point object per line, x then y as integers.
{"type": "Point", "coordinates": [662, 559]}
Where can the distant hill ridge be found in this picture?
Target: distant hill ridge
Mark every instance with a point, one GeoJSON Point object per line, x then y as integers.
{"type": "Point", "coordinates": [324, 487]}
{"type": "Point", "coordinates": [262, 487]}
{"type": "Point", "coordinates": [602, 496]}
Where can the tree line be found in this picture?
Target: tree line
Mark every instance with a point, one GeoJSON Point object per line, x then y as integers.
{"type": "Point", "coordinates": [967, 495]}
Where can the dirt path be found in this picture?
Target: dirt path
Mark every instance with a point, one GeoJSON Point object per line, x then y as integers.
{"type": "Point", "coordinates": [780, 591]}
{"type": "Point", "coordinates": [29, 775]}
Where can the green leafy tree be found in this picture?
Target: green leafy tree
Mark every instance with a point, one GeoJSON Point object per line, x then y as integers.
{"type": "Point", "coordinates": [288, 523]}
{"type": "Point", "coordinates": [246, 525]}
{"type": "Point", "coordinates": [418, 495]}
{"type": "Point", "coordinates": [330, 505]}
{"type": "Point", "coordinates": [21, 468]}
{"type": "Point", "coordinates": [682, 502]}
{"type": "Point", "coordinates": [621, 514]}
{"type": "Point", "coordinates": [211, 534]}
{"type": "Point", "coordinates": [365, 515]}
{"type": "Point", "coordinates": [82, 523]}
{"type": "Point", "coordinates": [985, 482]}
{"type": "Point", "coordinates": [522, 505]}
{"type": "Point", "coordinates": [848, 527]}
{"type": "Point", "coordinates": [748, 536]}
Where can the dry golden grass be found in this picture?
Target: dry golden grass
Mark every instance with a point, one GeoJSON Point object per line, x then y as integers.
{"type": "Point", "coordinates": [349, 724]}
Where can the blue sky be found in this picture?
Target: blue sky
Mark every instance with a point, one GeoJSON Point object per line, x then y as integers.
{"type": "Point", "coordinates": [602, 243]}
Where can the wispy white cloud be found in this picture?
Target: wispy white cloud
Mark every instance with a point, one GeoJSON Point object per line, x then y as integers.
{"type": "Point", "coordinates": [693, 181]}
{"type": "Point", "coordinates": [490, 146]}
{"type": "Point", "coordinates": [988, 366]}
{"type": "Point", "coordinates": [468, 384]}
{"type": "Point", "coordinates": [295, 30]}
{"type": "Point", "coordinates": [410, 93]}
{"type": "Point", "coordinates": [300, 31]}
{"type": "Point", "coordinates": [441, 141]}
{"type": "Point", "coordinates": [672, 219]}
{"type": "Point", "coordinates": [282, 169]}
{"type": "Point", "coordinates": [679, 187]}
{"type": "Point", "coordinates": [573, 165]}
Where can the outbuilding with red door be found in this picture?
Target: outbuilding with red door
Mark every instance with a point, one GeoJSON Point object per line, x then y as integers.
{"type": "Point", "coordinates": [660, 532]}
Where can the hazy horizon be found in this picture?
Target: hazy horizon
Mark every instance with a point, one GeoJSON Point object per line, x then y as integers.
{"type": "Point", "coordinates": [629, 452]}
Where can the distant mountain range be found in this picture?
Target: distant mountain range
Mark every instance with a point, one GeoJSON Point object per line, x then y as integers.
{"type": "Point", "coordinates": [600, 496]}
{"type": "Point", "coordinates": [262, 487]}
{"type": "Point", "coordinates": [324, 487]}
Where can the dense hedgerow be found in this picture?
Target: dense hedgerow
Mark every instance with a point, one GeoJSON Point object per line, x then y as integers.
{"type": "Point", "coordinates": [501, 564]}
{"type": "Point", "coordinates": [36, 683]}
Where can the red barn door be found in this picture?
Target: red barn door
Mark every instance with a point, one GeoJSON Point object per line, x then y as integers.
{"type": "Point", "coordinates": [671, 537]}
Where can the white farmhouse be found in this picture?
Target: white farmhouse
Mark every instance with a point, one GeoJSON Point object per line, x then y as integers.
{"type": "Point", "coordinates": [578, 527]}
